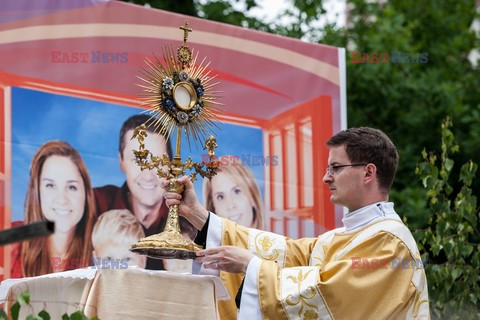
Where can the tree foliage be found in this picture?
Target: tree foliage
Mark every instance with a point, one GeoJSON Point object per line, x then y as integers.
{"type": "Point", "coordinates": [185, 6]}
{"type": "Point", "coordinates": [224, 11]}
{"type": "Point", "coordinates": [408, 101]}
{"type": "Point", "coordinates": [298, 21]}
{"type": "Point", "coordinates": [451, 241]}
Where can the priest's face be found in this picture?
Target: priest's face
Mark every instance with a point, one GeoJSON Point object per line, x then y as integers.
{"type": "Point", "coordinates": [345, 183]}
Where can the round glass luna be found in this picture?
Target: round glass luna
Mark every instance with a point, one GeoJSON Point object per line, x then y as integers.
{"type": "Point", "coordinates": [184, 95]}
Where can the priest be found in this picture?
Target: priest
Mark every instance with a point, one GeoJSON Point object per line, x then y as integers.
{"type": "Point", "coordinates": [369, 269]}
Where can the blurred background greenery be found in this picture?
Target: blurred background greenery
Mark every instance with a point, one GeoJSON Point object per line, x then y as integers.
{"type": "Point", "coordinates": [409, 103]}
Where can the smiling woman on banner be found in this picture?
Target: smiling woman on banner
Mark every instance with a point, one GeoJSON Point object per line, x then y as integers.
{"type": "Point", "coordinates": [59, 190]}
{"type": "Point", "coordinates": [233, 193]}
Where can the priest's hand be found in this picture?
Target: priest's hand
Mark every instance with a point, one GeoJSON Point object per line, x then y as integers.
{"type": "Point", "coordinates": [226, 258]}
{"type": "Point", "coordinates": [188, 204]}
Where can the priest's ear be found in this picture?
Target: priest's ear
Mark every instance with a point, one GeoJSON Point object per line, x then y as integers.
{"type": "Point", "coordinates": [370, 173]}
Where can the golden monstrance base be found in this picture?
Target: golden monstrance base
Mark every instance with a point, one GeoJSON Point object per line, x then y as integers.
{"type": "Point", "coordinates": [159, 253]}
{"type": "Point", "coordinates": [167, 245]}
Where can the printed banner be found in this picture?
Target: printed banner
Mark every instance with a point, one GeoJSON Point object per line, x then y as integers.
{"type": "Point", "coordinates": [69, 105]}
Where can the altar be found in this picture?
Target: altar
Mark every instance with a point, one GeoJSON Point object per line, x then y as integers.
{"type": "Point", "coordinates": [132, 293]}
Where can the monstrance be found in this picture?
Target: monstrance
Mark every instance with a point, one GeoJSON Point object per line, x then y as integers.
{"type": "Point", "coordinates": [179, 96]}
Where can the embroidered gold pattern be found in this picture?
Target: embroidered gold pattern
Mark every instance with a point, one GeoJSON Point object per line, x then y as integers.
{"type": "Point", "coordinates": [320, 258]}
{"type": "Point", "coordinates": [265, 244]}
{"type": "Point", "coordinates": [325, 248]}
{"type": "Point", "coordinates": [320, 261]}
{"type": "Point", "coordinates": [303, 298]}
{"type": "Point", "coordinates": [310, 315]}
{"type": "Point", "coordinates": [418, 262]}
{"type": "Point", "coordinates": [417, 303]}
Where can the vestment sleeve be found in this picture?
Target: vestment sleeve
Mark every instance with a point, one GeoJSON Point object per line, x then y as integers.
{"type": "Point", "coordinates": [268, 246]}
{"type": "Point", "coordinates": [370, 281]}
{"type": "Point", "coordinates": [265, 245]}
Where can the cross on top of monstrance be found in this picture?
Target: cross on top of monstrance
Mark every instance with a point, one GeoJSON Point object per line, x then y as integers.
{"type": "Point", "coordinates": [178, 94]}
{"type": "Point", "coordinates": [184, 54]}
{"type": "Point", "coordinates": [186, 30]}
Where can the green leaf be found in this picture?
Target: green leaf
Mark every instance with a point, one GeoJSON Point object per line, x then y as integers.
{"type": "Point", "coordinates": [424, 154]}
{"type": "Point", "coordinates": [33, 317]}
{"type": "Point", "coordinates": [467, 172]}
{"type": "Point", "coordinates": [44, 315]}
{"type": "Point", "coordinates": [3, 315]}
{"type": "Point", "coordinates": [448, 189]}
{"type": "Point", "coordinates": [436, 249]}
{"type": "Point", "coordinates": [24, 298]}
{"type": "Point", "coordinates": [425, 181]}
{"type": "Point", "coordinates": [466, 250]}
{"type": "Point", "coordinates": [449, 164]}
{"type": "Point", "coordinates": [65, 317]}
{"type": "Point", "coordinates": [473, 298]}
{"type": "Point", "coordinates": [78, 315]}
{"type": "Point", "coordinates": [456, 273]}
{"type": "Point", "coordinates": [14, 310]}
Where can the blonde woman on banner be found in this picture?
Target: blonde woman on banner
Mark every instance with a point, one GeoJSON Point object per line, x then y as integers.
{"type": "Point", "coordinates": [233, 193]}
{"type": "Point", "coordinates": [59, 190]}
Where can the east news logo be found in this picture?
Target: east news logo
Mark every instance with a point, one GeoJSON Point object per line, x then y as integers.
{"type": "Point", "coordinates": [383, 57]}
{"type": "Point", "coordinates": [89, 57]}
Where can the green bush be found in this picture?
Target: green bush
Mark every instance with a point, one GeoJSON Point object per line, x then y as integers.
{"type": "Point", "coordinates": [451, 240]}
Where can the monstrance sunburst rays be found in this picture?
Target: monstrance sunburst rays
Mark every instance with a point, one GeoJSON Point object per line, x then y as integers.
{"type": "Point", "coordinates": [160, 83]}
